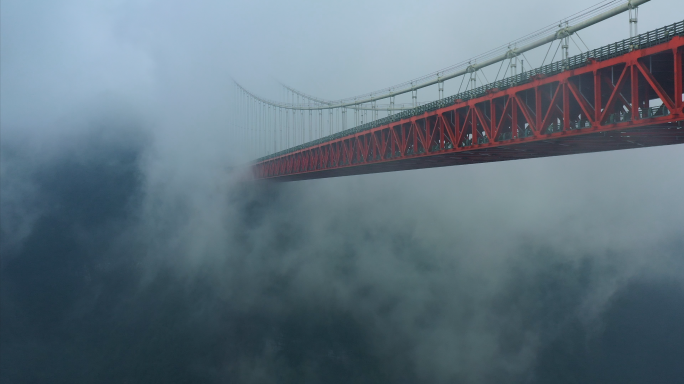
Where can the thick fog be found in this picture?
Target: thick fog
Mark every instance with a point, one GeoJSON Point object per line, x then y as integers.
{"type": "Point", "coordinates": [135, 248]}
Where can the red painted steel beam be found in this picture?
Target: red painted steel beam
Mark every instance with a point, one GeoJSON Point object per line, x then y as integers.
{"type": "Point", "coordinates": [560, 120]}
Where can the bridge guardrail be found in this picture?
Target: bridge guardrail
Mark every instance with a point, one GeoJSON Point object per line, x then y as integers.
{"type": "Point", "coordinates": [644, 40]}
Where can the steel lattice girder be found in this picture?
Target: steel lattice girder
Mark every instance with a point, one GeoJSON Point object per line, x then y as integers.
{"type": "Point", "coordinates": [549, 116]}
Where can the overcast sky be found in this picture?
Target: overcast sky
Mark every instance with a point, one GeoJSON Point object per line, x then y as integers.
{"type": "Point", "coordinates": [60, 54]}
{"type": "Point", "coordinates": [132, 249]}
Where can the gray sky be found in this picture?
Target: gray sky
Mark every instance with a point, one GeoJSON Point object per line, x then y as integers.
{"type": "Point", "coordinates": [176, 58]}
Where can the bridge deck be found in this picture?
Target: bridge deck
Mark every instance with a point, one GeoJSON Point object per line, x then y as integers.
{"type": "Point", "coordinates": [631, 100]}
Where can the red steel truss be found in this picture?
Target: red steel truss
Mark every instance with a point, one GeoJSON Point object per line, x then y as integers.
{"type": "Point", "coordinates": [603, 106]}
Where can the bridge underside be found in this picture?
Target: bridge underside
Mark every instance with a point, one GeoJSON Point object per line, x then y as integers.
{"type": "Point", "coordinates": [664, 134]}
{"type": "Point", "coordinates": [629, 99]}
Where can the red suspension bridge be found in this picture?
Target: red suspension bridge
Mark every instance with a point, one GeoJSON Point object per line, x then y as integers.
{"type": "Point", "coordinates": [624, 95]}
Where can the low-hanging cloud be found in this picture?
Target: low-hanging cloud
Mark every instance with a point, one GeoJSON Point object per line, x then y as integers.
{"type": "Point", "coordinates": [173, 277]}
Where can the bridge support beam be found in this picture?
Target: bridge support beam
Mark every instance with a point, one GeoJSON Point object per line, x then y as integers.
{"type": "Point", "coordinates": [678, 53]}
{"type": "Point", "coordinates": [599, 107]}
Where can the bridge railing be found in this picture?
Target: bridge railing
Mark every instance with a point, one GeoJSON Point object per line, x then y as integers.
{"type": "Point", "coordinates": [644, 40]}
